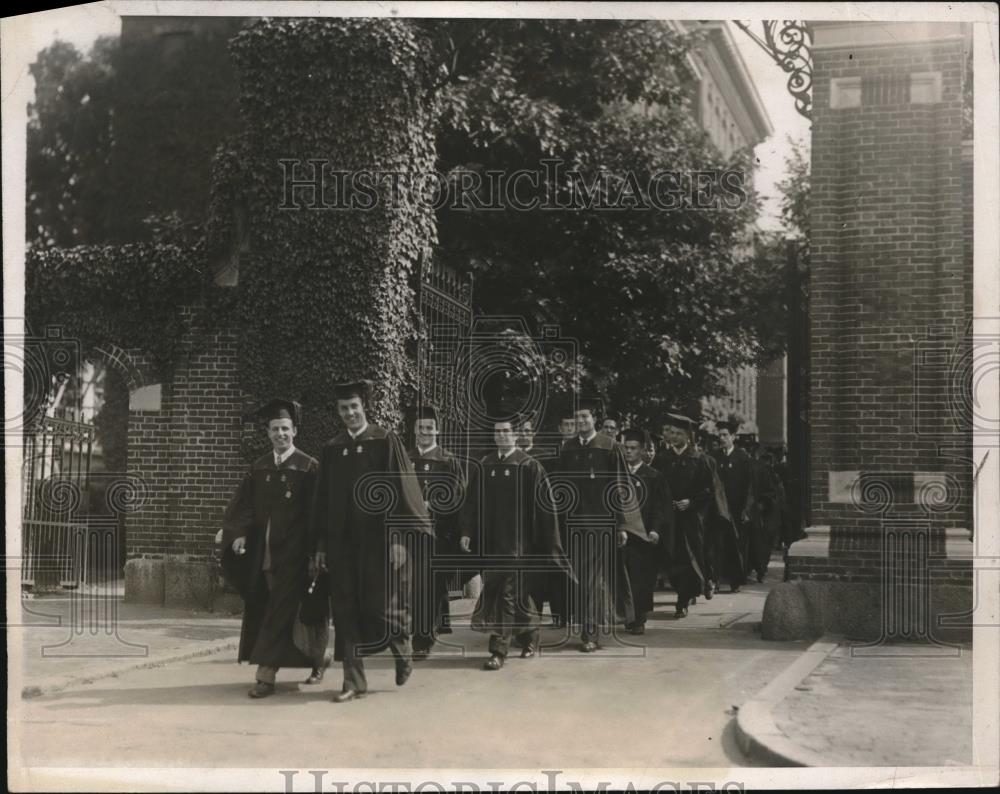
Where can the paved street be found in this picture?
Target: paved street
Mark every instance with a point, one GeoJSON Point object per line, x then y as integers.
{"type": "Point", "coordinates": [666, 701]}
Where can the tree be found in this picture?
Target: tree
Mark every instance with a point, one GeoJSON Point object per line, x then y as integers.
{"type": "Point", "coordinates": [657, 300]}
{"type": "Point", "coordinates": [795, 191]}
{"type": "Point", "coordinates": [69, 141]}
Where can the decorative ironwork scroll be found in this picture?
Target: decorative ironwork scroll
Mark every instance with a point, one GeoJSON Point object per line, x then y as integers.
{"type": "Point", "coordinates": [788, 42]}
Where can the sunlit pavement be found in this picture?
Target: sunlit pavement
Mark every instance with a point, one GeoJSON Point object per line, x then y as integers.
{"type": "Point", "coordinates": [662, 699]}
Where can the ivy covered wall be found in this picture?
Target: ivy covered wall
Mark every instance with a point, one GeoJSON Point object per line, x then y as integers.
{"type": "Point", "coordinates": [324, 295]}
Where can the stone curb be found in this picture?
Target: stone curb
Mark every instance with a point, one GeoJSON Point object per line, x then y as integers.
{"type": "Point", "coordinates": [756, 731]}
{"type": "Point", "coordinates": [59, 683]}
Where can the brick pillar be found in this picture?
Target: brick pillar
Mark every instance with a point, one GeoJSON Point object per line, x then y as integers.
{"type": "Point", "coordinates": [184, 444]}
{"type": "Point", "coordinates": [890, 314]}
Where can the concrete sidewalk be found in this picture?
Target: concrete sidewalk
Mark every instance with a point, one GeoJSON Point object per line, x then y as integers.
{"type": "Point", "coordinates": [844, 704]}
{"type": "Point", "coordinates": [73, 639]}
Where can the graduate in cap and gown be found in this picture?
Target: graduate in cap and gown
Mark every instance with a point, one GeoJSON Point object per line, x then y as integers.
{"type": "Point", "coordinates": [600, 514]}
{"type": "Point", "coordinates": [689, 476]}
{"type": "Point", "coordinates": [442, 483]}
{"type": "Point", "coordinates": [368, 522]}
{"type": "Point", "coordinates": [511, 517]}
{"type": "Point", "coordinates": [642, 558]}
{"type": "Point", "coordinates": [266, 551]}
{"type": "Point", "coordinates": [763, 516]}
{"type": "Point", "coordinates": [735, 471]}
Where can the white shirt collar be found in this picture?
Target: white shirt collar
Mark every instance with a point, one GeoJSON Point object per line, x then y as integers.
{"type": "Point", "coordinates": [729, 451]}
{"type": "Point", "coordinates": [279, 459]}
{"type": "Point", "coordinates": [681, 450]}
{"type": "Point", "coordinates": [634, 467]}
{"type": "Point", "coordinates": [424, 451]}
{"type": "Point", "coordinates": [353, 436]}
{"type": "Point", "coordinates": [504, 455]}
{"type": "Point", "coordinates": [589, 438]}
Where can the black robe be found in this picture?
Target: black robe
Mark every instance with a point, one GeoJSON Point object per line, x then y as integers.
{"type": "Point", "coordinates": [643, 558]}
{"type": "Point", "coordinates": [282, 495]}
{"type": "Point", "coordinates": [368, 499]}
{"type": "Point", "coordinates": [554, 585]}
{"type": "Point", "coordinates": [442, 483]}
{"type": "Point", "coordinates": [443, 486]}
{"type": "Point", "coordinates": [511, 519]}
{"type": "Point", "coordinates": [689, 476]}
{"type": "Point", "coordinates": [725, 538]}
{"type": "Point", "coordinates": [765, 525]}
{"type": "Point", "coordinates": [591, 488]}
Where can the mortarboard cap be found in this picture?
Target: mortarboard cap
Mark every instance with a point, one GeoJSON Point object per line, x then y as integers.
{"type": "Point", "coordinates": [419, 412]}
{"type": "Point", "coordinates": [636, 434]}
{"type": "Point", "coordinates": [280, 409]}
{"type": "Point", "coordinates": [593, 404]}
{"type": "Point", "coordinates": [675, 419]}
{"type": "Point", "coordinates": [500, 409]}
{"type": "Point", "coordinates": [359, 388]}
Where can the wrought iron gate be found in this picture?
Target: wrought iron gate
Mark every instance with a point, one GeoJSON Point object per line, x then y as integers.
{"type": "Point", "coordinates": [444, 297]}
{"type": "Point", "coordinates": [54, 499]}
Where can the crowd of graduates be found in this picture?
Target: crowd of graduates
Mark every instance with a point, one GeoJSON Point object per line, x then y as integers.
{"type": "Point", "coordinates": [591, 524]}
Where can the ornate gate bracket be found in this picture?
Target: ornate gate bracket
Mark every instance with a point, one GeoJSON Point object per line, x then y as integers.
{"type": "Point", "coordinates": [788, 42]}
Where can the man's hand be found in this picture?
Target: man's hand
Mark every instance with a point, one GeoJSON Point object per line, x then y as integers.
{"type": "Point", "coordinates": [240, 545]}
{"type": "Point", "coordinates": [683, 504]}
{"type": "Point", "coordinates": [397, 556]}
{"type": "Point", "coordinates": [745, 518]}
{"type": "Point", "coordinates": [319, 561]}
{"type": "Point", "coordinates": [465, 543]}
{"type": "Point", "coordinates": [654, 537]}
{"type": "Point", "coordinates": [622, 537]}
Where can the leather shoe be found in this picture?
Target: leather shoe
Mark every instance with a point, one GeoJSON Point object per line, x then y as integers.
{"type": "Point", "coordinates": [709, 592]}
{"type": "Point", "coordinates": [421, 652]}
{"type": "Point", "coordinates": [261, 690]}
{"type": "Point", "coordinates": [638, 628]}
{"type": "Point", "coordinates": [693, 601]}
{"type": "Point", "coordinates": [445, 630]}
{"type": "Point", "coordinates": [589, 647]}
{"type": "Point", "coordinates": [681, 613]}
{"type": "Point", "coordinates": [316, 676]}
{"type": "Point", "coordinates": [760, 577]}
{"type": "Point", "coordinates": [347, 695]}
{"type": "Point", "coordinates": [734, 588]}
{"type": "Point", "coordinates": [495, 662]}
{"type": "Point", "coordinates": [527, 651]}
{"type": "Point", "coordinates": [403, 670]}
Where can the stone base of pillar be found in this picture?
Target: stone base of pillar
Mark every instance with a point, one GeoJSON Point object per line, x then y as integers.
{"type": "Point", "coordinates": [178, 583]}
{"type": "Point", "coordinates": [857, 610]}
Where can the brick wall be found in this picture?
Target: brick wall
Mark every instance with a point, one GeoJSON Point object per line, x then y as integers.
{"type": "Point", "coordinates": [188, 451]}
{"type": "Point", "coordinates": [890, 300]}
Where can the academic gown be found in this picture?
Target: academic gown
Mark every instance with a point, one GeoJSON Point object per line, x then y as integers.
{"type": "Point", "coordinates": [281, 495]}
{"type": "Point", "coordinates": [725, 546]}
{"type": "Point", "coordinates": [552, 586]}
{"type": "Point", "coordinates": [689, 476]}
{"type": "Point", "coordinates": [591, 487]}
{"type": "Point", "coordinates": [367, 499]}
{"type": "Point", "coordinates": [442, 483]}
{"type": "Point", "coordinates": [766, 522]}
{"type": "Point", "coordinates": [642, 558]}
{"type": "Point", "coordinates": [443, 486]}
{"type": "Point", "coordinates": [511, 519]}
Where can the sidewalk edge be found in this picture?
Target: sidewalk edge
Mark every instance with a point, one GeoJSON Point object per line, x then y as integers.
{"type": "Point", "coordinates": [59, 683]}
{"type": "Point", "coordinates": [756, 731]}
